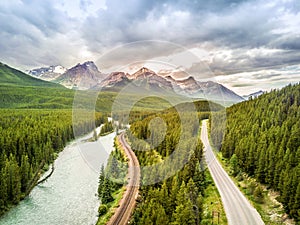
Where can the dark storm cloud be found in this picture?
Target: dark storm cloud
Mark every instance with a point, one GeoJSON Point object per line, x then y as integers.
{"type": "Point", "coordinates": [289, 43]}
{"type": "Point", "coordinates": [38, 32]}
{"type": "Point", "coordinates": [241, 61]}
{"type": "Point", "coordinates": [236, 25]}
{"type": "Point", "coordinates": [230, 23]}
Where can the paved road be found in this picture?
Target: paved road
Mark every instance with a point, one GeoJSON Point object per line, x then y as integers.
{"type": "Point", "coordinates": [237, 208]}
{"type": "Point", "coordinates": [123, 213]}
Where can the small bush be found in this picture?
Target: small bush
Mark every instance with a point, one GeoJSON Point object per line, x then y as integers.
{"type": "Point", "coordinates": [239, 177]}
{"type": "Point", "coordinates": [258, 194]}
{"type": "Point", "coordinates": [251, 187]}
{"type": "Point", "coordinates": [102, 210]}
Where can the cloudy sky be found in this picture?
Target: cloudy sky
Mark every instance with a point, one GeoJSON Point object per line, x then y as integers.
{"type": "Point", "coordinates": [247, 45]}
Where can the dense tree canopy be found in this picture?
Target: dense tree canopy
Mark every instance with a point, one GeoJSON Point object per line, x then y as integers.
{"type": "Point", "coordinates": [29, 140]}
{"type": "Point", "coordinates": [264, 135]}
{"type": "Point", "coordinates": [177, 199]}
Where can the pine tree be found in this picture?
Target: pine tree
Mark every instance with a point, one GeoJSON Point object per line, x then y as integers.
{"type": "Point", "coordinates": [14, 179]}
{"type": "Point", "coordinates": [101, 181]}
{"type": "Point", "coordinates": [192, 191]}
{"type": "Point", "coordinates": [106, 196]}
{"type": "Point", "coordinates": [25, 172]}
{"type": "Point", "coordinates": [3, 190]}
{"type": "Point", "coordinates": [258, 194]}
{"type": "Point", "coordinates": [184, 214]}
{"type": "Point", "coordinates": [234, 165]}
{"type": "Point", "coordinates": [295, 209]}
{"type": "Point", "coordinates": [165, 198]}
{"type": "Point", "coordinates": [264, 134]}
{"type": "Point", "coordinates": [161, 216]}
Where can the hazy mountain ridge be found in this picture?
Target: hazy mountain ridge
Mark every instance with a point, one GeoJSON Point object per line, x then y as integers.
{"type": "Point", "coordinates": [253, 95]}
{"type": "Point", "coordinates": [188, 87]}
{"type": "Point", "coordinates": [87, 76]}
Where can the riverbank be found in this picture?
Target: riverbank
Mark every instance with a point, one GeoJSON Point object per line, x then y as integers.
{"type": "Point", "coordinates": [69, 196]}
{"type": "Point", "coordinates": [117, 194]}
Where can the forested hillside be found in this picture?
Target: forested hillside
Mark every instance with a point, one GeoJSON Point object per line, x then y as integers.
{"type": "Point", "coordinates": [12, 77]}
{"type": "Point", "coordinates": [178, 199]}
{"type": "Point", "coordinates": [19, 90]}
{"type": "Point", "coordinates": [29, 141]}
{"type": "Point", "coordinates": [264, 134]}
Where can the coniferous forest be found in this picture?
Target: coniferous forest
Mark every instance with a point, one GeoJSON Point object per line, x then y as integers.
{"type": "Point", "coordinates": [261, 135]}
{"type": "Point", "coordinates": [29, 142]}
{"type": "Point", "coordinates": [178, 199]}
{"type": "Point", "coordinates": [264, 134]}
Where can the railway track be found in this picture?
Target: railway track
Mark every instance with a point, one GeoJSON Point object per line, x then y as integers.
{"type": "Point", "coordinates": [127, 204]}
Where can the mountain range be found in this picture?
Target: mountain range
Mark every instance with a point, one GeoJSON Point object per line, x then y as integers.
{"type": "Point", "coordinates": [82, 76]}
{"type": "Point", "coordinates": [87, 76]}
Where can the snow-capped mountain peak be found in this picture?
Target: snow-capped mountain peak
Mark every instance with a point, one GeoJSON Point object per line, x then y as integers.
{"type": "Point", "coordinates": [59, 69]}
{"type": "Point", "coordinates": [47, 73]}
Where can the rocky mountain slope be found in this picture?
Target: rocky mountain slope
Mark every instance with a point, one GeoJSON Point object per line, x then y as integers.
{"type": "Point", "coordinates": [47, 73]}
{"type": "Point", "coordinates": [82, 76]}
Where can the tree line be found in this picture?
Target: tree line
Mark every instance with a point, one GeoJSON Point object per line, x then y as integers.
{"type": "Point", "coordinates": [111, 178]}
{"type": "Point", "coordinates": [264, 134]}
{"type": "Point", "coordinates": [107, 128]}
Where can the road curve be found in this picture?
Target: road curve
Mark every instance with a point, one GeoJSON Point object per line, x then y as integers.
{"type": "Point", "coordinates": [237, 208]}
{"type": "Point", "coordinates": [127, 204]}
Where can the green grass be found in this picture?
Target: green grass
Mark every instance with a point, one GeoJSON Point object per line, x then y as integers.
{"type": "Point", "coordinates": [212, 204]}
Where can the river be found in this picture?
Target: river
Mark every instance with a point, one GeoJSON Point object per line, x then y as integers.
{"type": "Point", "coordinates": [69, 196]}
